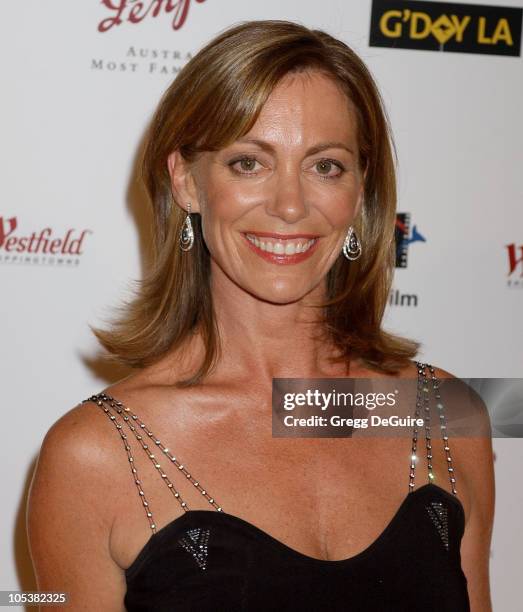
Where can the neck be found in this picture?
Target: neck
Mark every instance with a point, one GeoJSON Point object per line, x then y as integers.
{"type": "Point", "coordinates": [263, 340]}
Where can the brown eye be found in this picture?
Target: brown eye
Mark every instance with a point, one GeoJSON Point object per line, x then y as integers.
{"type": "Point", "coordinates": [244, 165]}
{"type": "Point", "coordinates": [325, 166]}
{"type": "Point", "coordinates": [247, 164]}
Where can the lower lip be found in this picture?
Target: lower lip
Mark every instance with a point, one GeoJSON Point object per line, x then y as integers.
{"type": "Point", "coordinates": [282, 259]}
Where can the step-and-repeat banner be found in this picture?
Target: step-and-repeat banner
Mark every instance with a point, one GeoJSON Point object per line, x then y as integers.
{"type": "Point", "coordinates": [80, 81]}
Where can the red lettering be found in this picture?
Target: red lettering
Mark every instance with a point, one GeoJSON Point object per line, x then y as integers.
{"type": "Point", "coordinates": [42, 238]}
{"type": "Point", "coordinates": [134, 11]}
{"type": "Point", "coordinates": [76, 245]}
{"type": "Point", "coordinates": [4, 232]}
{"type": "Point", "coordinates": [10, 243]}
{"type": "Point", "coordinates": [181, 9]}
{"type": "Point", "coordinates": [31, 240]}
{"type": "Point", "coordinates": [22, 245]}
{"type": "Point", "coordinates": [107, 24]}
{"type": "Point", "coordinates": [55, 245]}
{"type": "Point", "coordinates": [134, 15]}
{"type": "Point", "coordinates": [513, 261]}
{"type": "Point", "coordinates": [66, 240]}
{"type": "Point", "coordinates": [154, 8]}
{"type": "Point", "coordinates": [39, 242]}
{"type": "Point", "coordinates": [158, 7]}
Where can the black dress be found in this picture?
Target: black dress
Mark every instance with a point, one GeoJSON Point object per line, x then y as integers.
{"type": "Point", "coordinates": [209, 560]}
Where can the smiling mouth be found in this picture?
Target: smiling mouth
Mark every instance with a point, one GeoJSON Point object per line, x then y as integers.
{"type": "Point", "coordinates": [288, 246]}
{"type": "Point", "coordinates": [282, 250]}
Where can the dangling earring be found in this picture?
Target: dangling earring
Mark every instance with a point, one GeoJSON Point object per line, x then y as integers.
{"type": "Point", "coordinates": [187, 234]}
{"type": "Point", "coordinates": [351, 246]}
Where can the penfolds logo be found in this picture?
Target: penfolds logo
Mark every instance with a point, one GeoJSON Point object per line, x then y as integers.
{"type": "Point", "coordinates": [41, 246]}
{"type": "Point", "coordinates": [134, 11]}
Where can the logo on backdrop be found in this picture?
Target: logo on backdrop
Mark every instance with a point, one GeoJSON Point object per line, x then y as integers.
{"type": "Point", "coordinates": [166, 62]}
{"type": "Point", "coordinates": [40, 247]}
{"type": "Point", "coordinates": [446, 26]}
{"type": "Point", "coordinates": [133, 12]}
{"type": "Point", "coordinates": [399, 298]}
{"type": "Point", "coordinates": [405, 237]}
{"type": "Point", "coordinates": [515, 265]}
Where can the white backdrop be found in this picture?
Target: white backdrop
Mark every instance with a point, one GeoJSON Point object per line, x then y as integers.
{"type": "Point", "coordinates": [75, 104]}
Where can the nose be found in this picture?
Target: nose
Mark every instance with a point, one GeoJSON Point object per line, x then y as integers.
{"type": "Point", "coordinates": [287, 200]}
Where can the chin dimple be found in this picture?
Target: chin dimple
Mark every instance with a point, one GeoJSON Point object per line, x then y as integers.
{"type": "Point", "coordinates": [281, 247]}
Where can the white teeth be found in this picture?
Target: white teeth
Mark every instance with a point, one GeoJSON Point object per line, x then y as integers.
{"type": "Point", "coordinates": [280, 248]}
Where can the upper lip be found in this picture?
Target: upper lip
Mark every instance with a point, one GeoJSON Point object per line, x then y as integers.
{"type": "Point", "coordinates": [280, 236]}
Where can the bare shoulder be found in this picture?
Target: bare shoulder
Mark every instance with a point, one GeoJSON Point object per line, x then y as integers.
{"type": "Point", "coordinates": [470, 426]}
{"type": "Point", "coordinates": [70, 511]}
{"type": "Point", "coordinates": [80, 443]}
{"type": "Point", "coordinates": [470, 442]}
{"type": "Point", "coordinates": [81, 433]}
{"type": "Point", "coordinates": [72, 456]}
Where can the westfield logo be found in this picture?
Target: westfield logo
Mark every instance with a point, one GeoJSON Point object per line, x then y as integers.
{"type": "Point", "coordinates": [134, 11]}
{"type": "Point", "coordinates": [42, 242]}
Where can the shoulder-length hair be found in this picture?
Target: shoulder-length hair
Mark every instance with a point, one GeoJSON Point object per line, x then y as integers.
{"type": "Point", "coordinates": [215, 99]}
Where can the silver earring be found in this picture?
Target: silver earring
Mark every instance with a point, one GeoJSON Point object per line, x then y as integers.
{"type": "Point", "coordinates": [351, 246]}
{"type": "Point", "coordinates": [187, 233]}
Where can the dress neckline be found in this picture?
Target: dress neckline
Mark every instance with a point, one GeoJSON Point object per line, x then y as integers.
{"type": "Point", "coordinates": [262, 535]}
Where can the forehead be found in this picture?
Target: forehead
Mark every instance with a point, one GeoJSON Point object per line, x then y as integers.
{"type": "Point", "coordinates": [307, 106]}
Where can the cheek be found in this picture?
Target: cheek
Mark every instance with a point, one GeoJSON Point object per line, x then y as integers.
{"type": "Point", "coordinates": [338, 207]}
{"type": "Point", "coordinates": [226, 202]}
{"type": "Point", "coordinates": [220, 208]}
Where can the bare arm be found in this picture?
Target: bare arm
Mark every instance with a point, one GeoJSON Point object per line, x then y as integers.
{"type": "Point", "coordinates": [68, 515]}
{"type": "Point", "coordinates": [474, 455]}
{"type": "Point", "coordinates": [475, 546]}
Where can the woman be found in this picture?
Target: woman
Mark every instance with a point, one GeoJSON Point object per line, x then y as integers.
{"type": "Point", "coordinates": [269, 165]}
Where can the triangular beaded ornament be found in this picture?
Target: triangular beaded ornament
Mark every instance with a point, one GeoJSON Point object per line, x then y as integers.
{"type": "Point", "coordinates": [439, 515]}
{"type": "Point", "coordinates": [195, 542]}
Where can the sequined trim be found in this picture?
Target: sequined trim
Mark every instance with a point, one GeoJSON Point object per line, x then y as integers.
{"type": "Point", "coordinates": [423, 403]}
{"type": "Point", "coordinates": [438, 512]}
{"type": "Point", "coordinates": [196, 542]}
{"type": "Point", "coordinates": [109, 404]}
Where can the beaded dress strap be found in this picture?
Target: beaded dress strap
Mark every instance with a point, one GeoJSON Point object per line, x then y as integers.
{"type": "Point", "coordinates": [110, 406]}
{"type": "Point", "coordinates": [422, 400]}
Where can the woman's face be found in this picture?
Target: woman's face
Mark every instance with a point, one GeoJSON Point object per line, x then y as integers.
{"type": "Point", "coordinates": [294, 176]}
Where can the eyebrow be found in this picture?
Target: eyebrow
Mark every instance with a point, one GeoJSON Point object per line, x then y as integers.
{"type": "Point", "coordinates": [266, 146]}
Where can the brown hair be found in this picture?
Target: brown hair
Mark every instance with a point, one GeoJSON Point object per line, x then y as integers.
{"type": "Point", "coordinates": [215, 99]}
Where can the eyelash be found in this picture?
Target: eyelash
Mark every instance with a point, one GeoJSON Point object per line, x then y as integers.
{"type": "Point", "coordinates": [325, 159]}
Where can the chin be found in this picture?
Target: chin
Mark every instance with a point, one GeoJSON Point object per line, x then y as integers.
{"type": "Point", "coordinates": [280, 293]}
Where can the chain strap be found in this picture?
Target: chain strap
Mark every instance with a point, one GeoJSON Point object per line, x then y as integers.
{"type": "Point", "coordinates": [422, 400]}
{"type": "Point", "coordinates": [106, 403]}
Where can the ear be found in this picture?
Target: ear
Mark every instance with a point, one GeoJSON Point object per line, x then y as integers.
{"type": "Point", "coordinates": [183, 184]}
